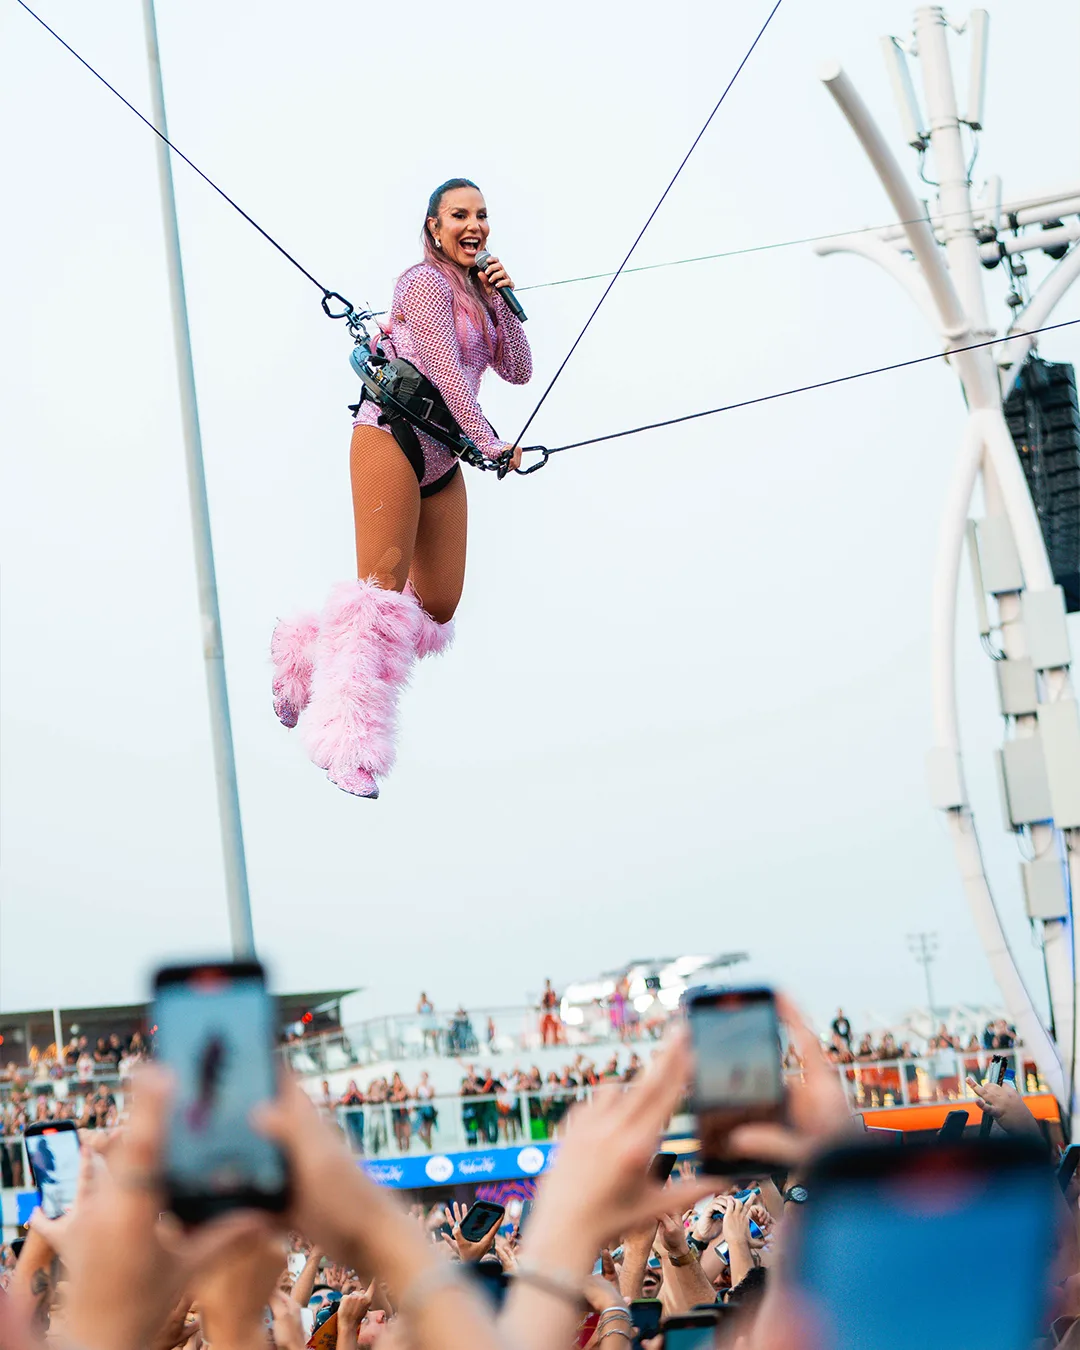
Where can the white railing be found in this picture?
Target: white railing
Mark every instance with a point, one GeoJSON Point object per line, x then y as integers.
{"type": "Point", "coordinates": [509, 1029]}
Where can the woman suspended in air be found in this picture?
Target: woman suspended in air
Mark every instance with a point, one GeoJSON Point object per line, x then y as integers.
{"type": "Point", "coordinates": [339, 673]}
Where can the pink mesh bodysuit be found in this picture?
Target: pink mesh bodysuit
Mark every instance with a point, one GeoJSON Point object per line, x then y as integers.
{"type": "Point", "coordinates": [423, 332]}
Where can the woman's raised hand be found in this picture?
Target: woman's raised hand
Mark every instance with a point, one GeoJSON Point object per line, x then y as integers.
{"type": "Point", "coordinates": [494, 276]}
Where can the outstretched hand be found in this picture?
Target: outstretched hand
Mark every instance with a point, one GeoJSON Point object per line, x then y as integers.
{"type": "Point", "coordinates": [126, 1265]}
{"type": "Point", "coordinates": [817, 1108]}
{"type": "Point", "coordinates": [468, 1251]}
{"type": "Point", "coordinates": [1006, 1106]}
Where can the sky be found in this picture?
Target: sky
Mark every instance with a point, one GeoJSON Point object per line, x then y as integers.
{"type": "Point", "coordinates": [688, 705]}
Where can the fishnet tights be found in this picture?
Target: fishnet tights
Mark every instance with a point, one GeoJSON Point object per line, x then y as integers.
{"type": "Point", "coordinates": [401, 537]}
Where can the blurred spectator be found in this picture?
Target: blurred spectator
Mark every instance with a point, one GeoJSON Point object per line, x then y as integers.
{"type": "Point", "coordinates": [550, 1021]}
{"type": "Point", "coordinates": [942, 1051]}
{"type": "Point", "coordinates": [470, 1088]}
{"type": "Point", "coordinates": [617, 1008]}
{"type": "Point", "coordinates": [426, 1113]}
{"type": "Point", "coordinates": [353, 1099]}
{"type": "Point", "coordinates": [429, 1028]}
{"type": "Point", "coordinates": [462, 1038]}
{"type": "Point", "coordinates": [399, 1112]}
{"type": "Point", "coordinates": [841, 1028]}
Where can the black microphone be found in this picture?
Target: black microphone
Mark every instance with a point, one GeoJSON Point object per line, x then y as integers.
{"type": "Point", "coordinates": [507, 293]}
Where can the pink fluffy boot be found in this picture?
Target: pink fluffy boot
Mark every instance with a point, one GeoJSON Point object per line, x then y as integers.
{"type": "Point", "coordinates": [366, 644]}
{"type": "Point", "coordinates": [435, 638]}
{"type": "Point", "coordinates": [292, 650]}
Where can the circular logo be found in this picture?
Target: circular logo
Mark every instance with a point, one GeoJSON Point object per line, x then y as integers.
{"type": "Point", "coordinates": [531, 1160]}
{"type": "Point", "coordinates": [439, 1168]}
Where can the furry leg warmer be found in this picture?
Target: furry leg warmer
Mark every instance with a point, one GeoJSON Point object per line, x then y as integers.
{"type": "Point", "coordinates": [435, 638]}
{"type": "Point", "coordinates": [367, 641]}
{"type": "Point", "coordinates": [292, 650]}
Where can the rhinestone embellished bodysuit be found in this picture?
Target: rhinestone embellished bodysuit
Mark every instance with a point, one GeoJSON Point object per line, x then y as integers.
{"type": "Point", "coordinates": [423, 332]}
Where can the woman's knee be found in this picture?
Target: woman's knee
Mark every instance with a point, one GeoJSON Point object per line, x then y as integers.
{"type": "Point", "coordinates": [441, 606]}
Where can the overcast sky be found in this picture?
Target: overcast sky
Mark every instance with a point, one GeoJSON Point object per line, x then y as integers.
{"type": "Point", "coordinates": [688, 705]}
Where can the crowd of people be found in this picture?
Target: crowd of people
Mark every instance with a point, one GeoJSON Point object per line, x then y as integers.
{"type": "Point", "coordinates": [349, 1266]}
{"type": "Point", "coordinates": [495, 1108]}
{"type": "Point", "coordinates": [884, 1072]}
{"type": "Point", "coordinates": [78, 1061]}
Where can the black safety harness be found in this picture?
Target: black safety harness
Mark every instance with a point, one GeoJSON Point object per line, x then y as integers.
{"type": "Point", "coordinates": [408, 401]}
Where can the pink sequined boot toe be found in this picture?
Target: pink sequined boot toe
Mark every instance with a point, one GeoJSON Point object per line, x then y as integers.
{"type": "Point", "coordinates": [357, 782]}
{"type": "Point", "coordinates": [292, 649]}
{"type": "Point", "coordinates": [435, 638]}
{"type": "Point", "coordinates": [363, 655]}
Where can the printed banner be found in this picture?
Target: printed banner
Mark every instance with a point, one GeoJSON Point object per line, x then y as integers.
{"type": "Point", "coordinates": [454, 1169]}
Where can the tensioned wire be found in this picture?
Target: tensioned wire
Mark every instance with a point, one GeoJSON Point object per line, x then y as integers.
{"type": "Point", "coordinates": [648, 222]}
{"type": "Point", "coordinates": [536, 285]}
{"type": "Point", "coordinates": [818, 384]}
{"type": "Point", "coordinates": [630, 431]}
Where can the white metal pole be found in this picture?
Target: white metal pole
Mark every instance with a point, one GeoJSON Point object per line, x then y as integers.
{"type": "Point", "coordinates": [1005, 491]}
{"type": "Point", "coordinates": [950, 168]}
{"type": "Point", "coordinates": [232, 837]}
{"type": "Point", "coordinates": [920, 237]}
{"type": "Point", "coordinates": [960, 820]}
{"type": "Point", "coordinates": [961, 309]}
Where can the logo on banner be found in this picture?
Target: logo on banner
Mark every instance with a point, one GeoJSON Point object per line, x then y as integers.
{"type": "Point", "coordinates": [531, 1160]}
{"type": "Point", "coordinates": [386, 1174]}
{"type": "Point", "coordinates": [440, 1168]}
{"type": "Point", "coordinates": [470, 1166]}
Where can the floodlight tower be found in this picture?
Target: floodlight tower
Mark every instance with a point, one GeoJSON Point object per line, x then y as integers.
{"type": "Point", "coordinates": [940, 254]}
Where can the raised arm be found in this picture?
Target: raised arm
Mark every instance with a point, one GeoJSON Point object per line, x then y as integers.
{"type": "Point", "coordinates": [427, 306]}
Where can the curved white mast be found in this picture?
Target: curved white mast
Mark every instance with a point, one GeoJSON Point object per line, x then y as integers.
{"type": "Point", "coordinates": [938, 259]}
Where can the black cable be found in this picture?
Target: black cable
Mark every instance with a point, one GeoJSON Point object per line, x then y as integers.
{"type": "Point", "coordinates": [806, 388]}
{"type": "Point", "coordinates": [641, 232]}
{"type": "Point", "coordinates": [220, 191]}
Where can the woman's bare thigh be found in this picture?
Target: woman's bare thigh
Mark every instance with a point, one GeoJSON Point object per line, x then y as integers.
{"type": "Point", "coordinates": [386, 507]}
{"type": "Point", "coordinates": [438, 566]}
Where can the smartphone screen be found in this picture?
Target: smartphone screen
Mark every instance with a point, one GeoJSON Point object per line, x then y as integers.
{"type": "Point", "coordinates": [1066, 1168]}
{"type": "Point", "coordinates": [662, 1166]}
{"type": "Point", "coordinates": [480, 1220]}
{"type": "Point", "coordinates": [53, 1151]}
{"type": "Point", "coordinates": [692, 1331]}
{"type": "Point", "coordinates": [735, 1038]}
{"type": "Point", "coordinates": [215, 1029]}
{"type": "Point", "coordinates": [953, 1126]}
{"type": "Point", "coordinates": [947, 1211]}
{"type": "Point", "coordinates": [645, 1313]}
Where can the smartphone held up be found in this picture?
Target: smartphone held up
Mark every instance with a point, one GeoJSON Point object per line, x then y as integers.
{"type": "Point", "coordinates": [52, 1147]}
{"type": "Point", "coordinates": [738, 1073]}
{"type": "Point", "coordinates": [215, 1033]}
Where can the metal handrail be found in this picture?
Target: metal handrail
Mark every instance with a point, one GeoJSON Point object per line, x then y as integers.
{"type": "Point", "coordinates": [416, 1035]}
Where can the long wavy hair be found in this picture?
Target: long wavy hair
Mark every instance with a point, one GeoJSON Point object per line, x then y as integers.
{"type": "Point", "coordinates": [468, 298]}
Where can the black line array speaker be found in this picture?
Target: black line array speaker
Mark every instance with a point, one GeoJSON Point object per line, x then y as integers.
{"type": "Point", "coordinates": [1044, 419]}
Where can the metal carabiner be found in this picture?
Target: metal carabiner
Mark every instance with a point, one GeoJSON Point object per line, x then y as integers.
{"type": "Point", "coordinates": [529, 449]}
{"type": "Point", "coordinates": [333, 295]}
